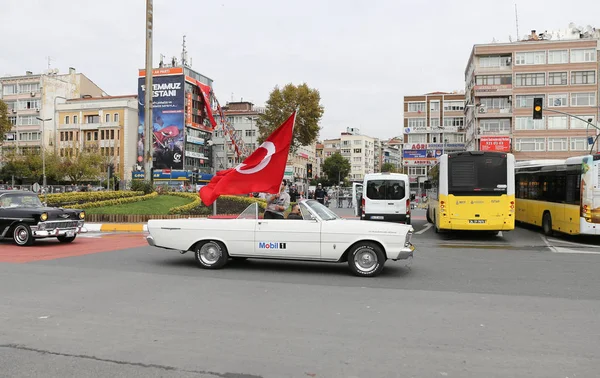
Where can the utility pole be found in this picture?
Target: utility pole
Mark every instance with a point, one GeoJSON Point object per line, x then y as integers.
{"type": "Point", "coordinates": [149, 92]}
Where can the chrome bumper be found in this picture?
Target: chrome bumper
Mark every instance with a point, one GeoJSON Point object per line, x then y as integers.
{"type": "Point", "coordinates": [150, 240]}
{"type": "Point", "coordinates": [405, 253]}
{"type": "Point", "coordinates": [58, 232]}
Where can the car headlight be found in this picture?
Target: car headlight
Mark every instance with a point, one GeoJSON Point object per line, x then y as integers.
{"type": "Point", "coordinates": [82, 215]}
{"type": "Point", "coordinates": [44, 217]}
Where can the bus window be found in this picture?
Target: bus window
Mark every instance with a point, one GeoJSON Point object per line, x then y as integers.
{"type": "Point", "coordinates": [477, 175]}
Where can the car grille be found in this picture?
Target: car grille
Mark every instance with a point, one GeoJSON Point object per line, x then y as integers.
{"type": "Point", "coordinates": [61, 224]}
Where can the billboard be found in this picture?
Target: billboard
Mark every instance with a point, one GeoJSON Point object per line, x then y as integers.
{"type": "Point", "coordinates": [414, 154]}
{"type": "Point", "coordinates": [500, 144]}
{"type": "Point", "coordinates": [168, 121]}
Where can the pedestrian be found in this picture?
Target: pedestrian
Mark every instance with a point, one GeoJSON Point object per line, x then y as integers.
{"type": "Point", "coordinates": [277, 204]}
{"type": "Point", "coordinates": [294, 194]}
{"type": "Point", "coordinates": [320, 194]}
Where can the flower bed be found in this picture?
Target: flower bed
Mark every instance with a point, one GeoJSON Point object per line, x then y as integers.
{"type": "Point", "coordinates": [112, 202]}
{"type": "Point", "coordinates": [75, 198]}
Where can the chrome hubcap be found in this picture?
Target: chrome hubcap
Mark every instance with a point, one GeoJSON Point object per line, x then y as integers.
{"type": "Point", "coordinates": [21, 235]}
{"type": "Point", "coordinates": [365, 260]}
{"type": "Point", "coordinates": [209, 253]}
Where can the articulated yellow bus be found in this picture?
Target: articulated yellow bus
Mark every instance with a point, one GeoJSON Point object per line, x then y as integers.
{"type": "Point", "coordinates": [560, 195]}
{"type": "Point", "coordinates": [472, 191]}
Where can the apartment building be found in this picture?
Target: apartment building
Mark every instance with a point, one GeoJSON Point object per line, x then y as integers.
{"type": "Point", "coordinates": [108, 125]}
{"type": "Point", "coordinates": [434, 123]}
{"type": "Point", "coordinates": [391, 153]}
{"type": "Point", "coordinates": [360, 151]}
{"type": "Point", "coordinates": [502, 79]}
{"type": "Point", "coordinates": [32, 100]}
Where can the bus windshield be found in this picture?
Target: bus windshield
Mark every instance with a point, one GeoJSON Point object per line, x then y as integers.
{"type": "Point", "coordinates": [477, 174]}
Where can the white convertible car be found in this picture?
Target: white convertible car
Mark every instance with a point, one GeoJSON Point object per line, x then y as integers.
{"type": "Point", "coordinates": [320, 236]}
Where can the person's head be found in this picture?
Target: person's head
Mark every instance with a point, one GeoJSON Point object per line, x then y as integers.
{"type": "Point", "coordinates": [283, 186]}
{"type": "Point", "coordinates": [296, 209]}
{"type": "Point", "coordinates": [320, 186]}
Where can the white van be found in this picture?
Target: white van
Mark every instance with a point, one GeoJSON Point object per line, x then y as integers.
{"type": "Point", "coordinates": [383, 197]}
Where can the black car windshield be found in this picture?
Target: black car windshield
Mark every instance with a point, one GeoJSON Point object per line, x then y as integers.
{"type": "Point", "coordinates": [20, 200]}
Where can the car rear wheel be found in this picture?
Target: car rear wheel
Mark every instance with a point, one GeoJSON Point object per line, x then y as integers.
{"type": "Point", "coordinates": [22, 235]}
{"type": "Point", "coordinates": [366, 259]}
{"type": "Point", "coordinates": [64, 239]}
{"type": "Point", "coordinates": [211, 254]}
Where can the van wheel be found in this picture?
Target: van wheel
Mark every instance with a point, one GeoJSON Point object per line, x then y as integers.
{"type": "Point", "coordinates": [547, 224]}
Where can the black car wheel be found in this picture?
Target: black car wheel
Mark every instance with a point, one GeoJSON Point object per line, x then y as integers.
{"type": "Point", "coordinates": [22, 235]}
{"type": "Point", "coordinates": [65, 239]}
{"type": "Point", "coordinates": [366, 259]}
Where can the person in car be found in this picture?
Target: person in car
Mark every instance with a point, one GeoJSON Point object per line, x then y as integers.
{"type": "Point", "coordinates": [277, 204]}
{"type": "Point", "coordinates": [295, 213]}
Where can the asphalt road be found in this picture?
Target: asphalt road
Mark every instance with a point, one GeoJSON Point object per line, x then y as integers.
{"type": "Point", "coordinates": [519, 305]}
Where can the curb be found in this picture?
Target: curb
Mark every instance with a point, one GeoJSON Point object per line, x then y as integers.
{"type": "Point", "coordinates": [116, 227]}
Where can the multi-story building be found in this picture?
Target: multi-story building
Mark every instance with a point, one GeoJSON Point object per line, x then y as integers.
{"type": "Point", "coordinates": [392, 153]}
{"type": "Point", "coordinates": [108, 125]}
{"type": "Point", "coordinates": [378, 158]}
{"type": "Point", "coordinates": [433, 124]}
{"type": "Point", "coordinates": [180, 126]}
{"type": "Point", "coordinates": [360, 151]}
{"type": "Point", "coordinates": [242, 116]}
{"type": "Point", "coordinates": [502, 79]}
{"type": "Point", "coordinates": [32, 100]}
{"type": "Point", "coordinates": [318, 168]}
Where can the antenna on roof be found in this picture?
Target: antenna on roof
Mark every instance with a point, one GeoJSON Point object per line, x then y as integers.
{"type": "Point", "coordinates": [49, 59]}
{"type": "Point", "coordinates": [517, 20]}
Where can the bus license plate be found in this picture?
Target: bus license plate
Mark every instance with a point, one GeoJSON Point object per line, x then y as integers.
{"type": "Point", "coordinates": [477, 221]}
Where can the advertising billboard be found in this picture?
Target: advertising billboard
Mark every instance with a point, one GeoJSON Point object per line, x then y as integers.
{"type": "Point", "coordinates": [499, 144]}
{"type": "Point", "coordinates": [414, 154]}
{"type": "Point", "coordinates": [168, 121]}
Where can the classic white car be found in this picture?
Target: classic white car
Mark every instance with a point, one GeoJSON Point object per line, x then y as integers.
{"type": "Point", "coordinates": [320, 236]}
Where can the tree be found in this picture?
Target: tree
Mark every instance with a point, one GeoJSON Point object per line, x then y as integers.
{"type": "Point", "coordinates": [28, 166]}
{"type": "Point", "coordinates": [389, 167]}
{"type": "Point", "coordinates": [336, 167]}
{"type": "Point", "coordinates": [85, 166]}
{"type": "Point", "coordinates": [5, 125]}
{"type": "Point", "coordinates": [282, 103]}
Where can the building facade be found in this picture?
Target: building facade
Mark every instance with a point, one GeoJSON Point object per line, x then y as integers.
{"type": "Point", "coordinates": [32, 100]}
{"type": "Point", "coordinates": [502, 79]}
{"type": "Point", "coordinates": [107, 125]}
{"type": "Point", "coordinates": [434, 123]}
{"type": "Point", "coordinates": [360, 152]}
{"type": "Point", "coordinates": [391, 153]}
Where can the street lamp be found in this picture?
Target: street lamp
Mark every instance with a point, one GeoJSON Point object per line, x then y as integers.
{"type": "Point", "coordinates": [43, 150]}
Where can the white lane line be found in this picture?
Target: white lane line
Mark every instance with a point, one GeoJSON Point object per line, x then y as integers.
{"type": "Point", "coordinates": [427, 227]}
{"type": "Point", "coordinates": [567, 250]}
{"type": "Point", "coordinates": [550, 247]}
{"type": "Point", "coordinates": [571, 243]}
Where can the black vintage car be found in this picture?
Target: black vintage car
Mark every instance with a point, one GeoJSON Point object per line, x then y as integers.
{"type": "Point", "coordinates": [24, 218]}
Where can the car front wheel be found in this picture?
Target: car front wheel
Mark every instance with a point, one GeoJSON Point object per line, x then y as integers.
{"type": "Point", "coordinates": [211, 255]}
{"type": "Point", "coordinates": [22, 235]}
{"type": "Point", "coordinates": [366, 259]}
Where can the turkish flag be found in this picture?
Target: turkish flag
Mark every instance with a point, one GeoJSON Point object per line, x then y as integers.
{"type": "Point", "coordinates": [262, 171]}
{"type": "Point", "coordinates": [205, 89]}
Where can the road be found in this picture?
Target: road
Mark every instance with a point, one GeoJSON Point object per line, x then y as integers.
{"type": "Point", "coordinates": [470, 306]}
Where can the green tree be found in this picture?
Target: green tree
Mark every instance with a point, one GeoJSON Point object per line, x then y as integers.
{"type": "Point", "coordinates": [5, 125]}
{"type": "Point", "coordinates": [28, 166]}
{"type": "Point", "coordinates": [282, 103]}
{"type": "Point", "coordinates": [85, 166]}
{"type": "Point", "coordinates": [336, 167]}
{"type": "Point", "coordinates": [389, 167]}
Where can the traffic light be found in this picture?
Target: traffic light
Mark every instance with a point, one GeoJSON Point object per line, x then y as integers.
{"type": "Point", "coordinates": [538, 104]}
{"type": "Point", "coordinates": [309, 172]}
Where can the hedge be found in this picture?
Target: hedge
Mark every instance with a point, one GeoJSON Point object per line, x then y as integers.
{"type": "Point", "coordinates": [196, 207]}
{"type": "Point", "coordinates": [113, 202]}
{"type": "Point", "coordinates": [77, 198]}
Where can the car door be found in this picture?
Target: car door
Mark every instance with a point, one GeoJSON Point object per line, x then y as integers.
{"type": "Point", "coordinates": [288, 238]}
{"type": "Point", "coordinates": [357, 190]}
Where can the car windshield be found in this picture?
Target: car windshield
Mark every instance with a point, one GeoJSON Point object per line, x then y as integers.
{"type": "Point", "coordinates": [322, 211]}
{"type": "Point", "coordinates": [251, 212]}
{"type": "Point", "coordinates": [20, 200]}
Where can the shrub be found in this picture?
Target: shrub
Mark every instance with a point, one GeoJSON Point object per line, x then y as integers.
{"type": "Point", "coordinates": [76, 198]}
{"type": "Point", "coordinates": [142, 186]}
{"type": "Point", "coordinates": [113, 202]}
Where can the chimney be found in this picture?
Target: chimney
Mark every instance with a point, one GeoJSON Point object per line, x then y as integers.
{"type": "Point", "coordinates": [28, 73]}
{"type": "Point", "coordinates": [71, 70]}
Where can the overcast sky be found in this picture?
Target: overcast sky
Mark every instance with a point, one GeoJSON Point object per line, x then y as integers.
{"type": "Point", "coordinates": [363, 56]}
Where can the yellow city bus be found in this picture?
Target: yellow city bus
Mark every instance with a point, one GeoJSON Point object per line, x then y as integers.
{"type": "Point", "coordinates": [472, 191]}
{"type": "Point", "coordinates": [560, 195]}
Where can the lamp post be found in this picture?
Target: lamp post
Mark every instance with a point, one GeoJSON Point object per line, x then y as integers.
{"type": "Point", "coordinates": [43, 149]}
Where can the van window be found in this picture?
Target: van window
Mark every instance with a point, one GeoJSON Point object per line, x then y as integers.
{"type": "Point", "coordinates": [385, 189]}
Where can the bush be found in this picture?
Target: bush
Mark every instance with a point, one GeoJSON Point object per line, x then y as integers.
{"type": "Point", "coordinates": [113, 202]}
{"type": "Point", "coordinates": [142, 186]}
{"type": "Point", "coordinates": [76, 198]}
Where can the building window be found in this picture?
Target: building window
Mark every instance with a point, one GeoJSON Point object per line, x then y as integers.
{"type": "Point", "coordinates": [29, 88]}
{"type": "Point", "coordinates": [454, 105]}
{"type": "Point", "coordinates": [417, 171]}
{"type": "Point", "coordinates": [579, 124]}
{"type": "Point", "coordinates": [251, 133]}
{"type": "Point", "coordinates": [557, 144]}
{"type": "Point", "coordinates": [92, 119]}
{"type": "Point", "coordinates": [530, 79]}
{"type": "Point", "coordinates": [107, 118]}
{"type": "Point", "coordinates": [454, 138]}
{"type": "Point", "coordinates": [558, 99]}
{"type": "Point", "coordinates": [357, 159]}
{"type": "Point", "coordinates": [530, 57]}
{"type": "Point", "coordinates": [12, 120]}
{"type": "Point", "coordinates": [416, 107]}
{"type": "Point", "coordinates": [95, 135]}
{"type": "Point", "coordinates": [527, 101]}
{"type": "Point", "coordinates": [493, 80]}
{"type": "Point", "coordinates": [9, 89]}
{"type": "Point", "coordinates": [75, 119]}
{"type": "Point", "coordinates": [495, 102]}
{"type": "Point", "coordinates": [557, 122]}
{"type": "Point", "coordinates": [435, 138]}
{"type": "Point", "coordinates": [116, 117]}
{"type": "Point", "coordinates": [417, 138]}
{"type": "Point", "coordinates": [417, 123]}
{"type": "Point", "coordinates": [434, 122]}
{"type": "Point", "coordinates": [531, 144]}
{"type": "Point", "coordinates": [358, 142]}
{"type": "Point", "coordinates": [528, 123]}
{"type": "Point", "coordinates": [28, 121]}
{"type": "Point", "coordinates": [112, 134]}
{"type": "Point", "coordinates": [66, 120]}
{"type": "Point", "coordinates": [28, 104]}
{"type": "Point", "coordinates": [579, 144]}
{"type": "Point", "coordinates": [583, 55]}
{"type": "Point", "coordinates": [557, 78]}
{"type": "Point", "coordinates": [454, 121]}
{"type": "Point", "coordinates": [434, 106]}
{"type": "Point", "coordinates": [358, 150]}
{"type": "Point", "coordinates": [583, 99]}
{"type": "Point", "coordinates": [558, 56]}
{"type": "Point", "coordinates": [583, 77]}
{"type": "Point", "coordinates": [495, 126]}
{"type": "Point", "coordinates": [494, 61]}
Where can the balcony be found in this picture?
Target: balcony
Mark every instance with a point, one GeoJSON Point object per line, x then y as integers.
{"type": "Point", "coordinates": [491, 70]}
{"type": "Point", "coordinates": [492, 90]}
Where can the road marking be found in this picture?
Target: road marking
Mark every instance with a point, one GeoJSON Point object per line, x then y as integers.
{"type": "Point", "coordinates": [550, 247]}
{"type": "Point", "coordinates": [571, 243]}
{"type": "Point", "coordinates": [500, 234]}
{"type": "Point", "coordinates": [567, 250]}
{"type": "Point", "coordinates": [427, 227]}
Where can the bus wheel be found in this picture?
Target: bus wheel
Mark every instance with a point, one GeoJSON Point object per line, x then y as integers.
{"type": "Point", "coordinates": [428, 217]}
{"type": "Point", "coordinates": [547, 224]}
